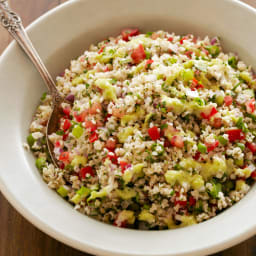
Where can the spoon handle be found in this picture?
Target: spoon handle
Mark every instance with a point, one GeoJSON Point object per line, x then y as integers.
{"type": "Point", "coordinates": [12, 22]}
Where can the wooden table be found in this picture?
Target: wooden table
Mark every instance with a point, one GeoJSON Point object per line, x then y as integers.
{"type": "Point", "coordinates": [17, 236]}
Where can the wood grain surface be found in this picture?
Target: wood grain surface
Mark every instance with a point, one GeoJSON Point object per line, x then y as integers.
{"type": "Point", "coordinates": [17, 236]}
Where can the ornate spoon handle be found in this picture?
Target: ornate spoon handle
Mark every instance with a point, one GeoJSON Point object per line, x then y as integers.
{"type": "Point", "coordinates": [12, 22]}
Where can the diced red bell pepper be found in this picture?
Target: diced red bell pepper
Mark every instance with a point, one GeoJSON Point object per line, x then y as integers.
{"type": "Point", "coordinates": [112, 157]}
{"type": "Point", "coordinates": [101, 49]}
{"type": "Point", "coordinates": [124, 165]}
{"type": "Point", "coordinates": [212, 146]}
{"type": "Point", "coordinates": [93, 137]}
{"type": "Point", "coordinates": [57, 144]}
{"type": "Point", "coordinates": [107, 117]}
{"type": "Point", "coordinates": [66, 125]}
{"type": "Point", "coordinates": [86, 170]}
{"type": "Point", "coordinates": [66, 111]}
{"type": "Point", "coordinates": [208, 116]}
{"type": "Point", "coordinates": [90, 126]}
{"type": "Point", "coordinates": [138, 54]}
{"type": "Point", "coordinates": [177, 141]}
{"type": "Point", "coordinates": [154, 133]}
{"type": "Point", "coordinates": [167, 143]}
{"type": "Point", "coordinates": [192, 201]}
{"type": "Point", "coordinates": [80, 117]}
{"type": "Point", "coordinates": [253, 175]}
{"type": "Point", "coordinates": [182, 39]}
{"type": "Point", "coordinates": [205, 51]}
{"type": "Point", "coordinates": [170, 39]}
{"type": "Point", "coordinates": [197, 155]}
{"type": "Point", "coordinates": [129, 32]}
{"type": "Point", "coordinates": [95, 108]}
{"type": "Point", "coordinates": [111, 144]}
{"type": "Point", "coordinates": [148, 63]}
{"type": "Point", "coordinates": [251, 146]}
{"type": "Point", "coordinates": [228, 100]}
{"type": "Point", "coordinates": [181, 203]}
{"type": "Point", "coordinates": [188, 54]}
{"type": "Point", "coordinates": [106, 69]}
{"type": "Point", "coordinates": [250, 106]}
{"type": "Point", "coordinates": [217, 122]}
{"type": "Point", "coordinates": [64, 157]}
{"type": "Point", "coordinates": [65, 136]}
{"type": "Point", "coordinates": [235, 134]}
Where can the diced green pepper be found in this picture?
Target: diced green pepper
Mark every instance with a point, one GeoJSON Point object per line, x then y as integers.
{"type": "Point", "coordinates": [77, 131]}
{"type": "Point", "coordinates": [43, 97]}
{"type": "Point", "coordinates": [245, 76]}
{"type": "Point", "coordinates": [188, 64]}
{"type": "Point", "coordinates": [239, 162]}
{"type": "Point", "coordinates": [241, 145]}
{"type": "Point", "coordinates": [145, 215]}
{"type": "Point", "coordinates": [124, 134]}
{"type": "Point", "coordinates": [219, 100]}
{"type": "Point", "coordinates": [222, 140]}
{"type": "Point", "coordinates": [202, 148]}
{"type": "Point", "coordinates": [30, 140]}
{"type": "Point", "coordinates": [97, 194]}
{"type": "Point", "coordinates": [187, 75]}
{"type": "Point", "coordinates": [82, 193]}
{"type": "Point", "coordinates": [77, 80]}
{"type": "Point", "coordinates": [40, 163]}
{"type": "Point", "coordinates": [79, 160]}
{"type": "Point", "coordinates": [63, 191]}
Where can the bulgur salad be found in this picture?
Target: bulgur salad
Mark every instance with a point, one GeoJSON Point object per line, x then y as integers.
{"type": "Point", "coordinates": [160, 132]}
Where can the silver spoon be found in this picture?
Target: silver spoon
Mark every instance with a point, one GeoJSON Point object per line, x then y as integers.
{"type": "Point", "coordinates": [12, 22]}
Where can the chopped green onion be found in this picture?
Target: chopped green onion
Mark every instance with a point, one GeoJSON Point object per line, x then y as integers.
{"type": "Point", "coordinates": [241, 125]}
{"type": "Point", "coordinates": [155, 147]}
{"type": "Point", "coordinates": [113, 81]}
{"type": "Point", "coordinates": [232, 61]}
{"type": "Point", "coordinates": [146, 206]}
{"type": "Point", "coordinates": [149, 34]}
{"type": "Point", "coordinates": [234, 88]}
{"type": "Point", "coordinates": [60, 132]}
{"type": "Point", "coordinates": [214, 50]}
{"type": "Point", "coordinates": [253, 117]}
{"type": "Point", "coordinates": [43, 96]}
{"type": "Point", "coordinates": [163, 110]}
{"type": "Point", "coordinates": [216, 188]}
{"type": "Point", "coordinates": [199, 101]}
{"type": "Point", "coordinates": [148, 55]}
{"type": "Point", "coordinates": [201, 148]}
{"type": "Point", "coordinates": [163, 126]}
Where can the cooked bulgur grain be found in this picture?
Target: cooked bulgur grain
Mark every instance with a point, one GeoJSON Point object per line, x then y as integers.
{"type": "Point", "coordinates": [160, 135]}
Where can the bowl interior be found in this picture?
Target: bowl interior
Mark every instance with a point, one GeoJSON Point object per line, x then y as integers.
{"type": "Point", "coordinates": [69, 30]}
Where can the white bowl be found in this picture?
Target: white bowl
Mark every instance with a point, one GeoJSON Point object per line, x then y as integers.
{"type": "Point", "coordinates": [63, 34]}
